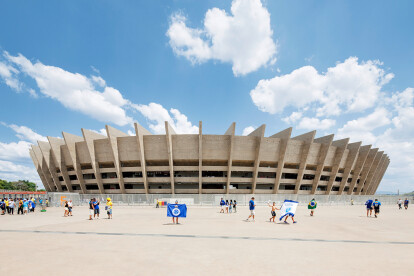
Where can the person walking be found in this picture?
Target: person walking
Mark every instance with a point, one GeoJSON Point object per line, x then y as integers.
{"type": "Point", "coordinates": [70, 207]}
{"type": "Point", "coordinates": [25, 206]}
{"type": "Point", "coordinates": [235, 206]}
{"type": "Point", "coordinates": [369, 207]}
{"type": "Point", "coordinates": [231, 206]}
{"type": "Point", "coordinates": [400, 202]}
{"type": "Point", "coordinates": [20, 209]}
{"type": "Point", "coordinates": [66, 209]}
{"type": "Point", "coordinates": [222, 203]}
{"type": "Point", "coordinates": [273, 212]}
{"type": "Point", "coordinates": [91, 209]}
{"type": "Point", "coordinates": [108, 207]}
{"type": "Point", "coordinates": [96, 208]}
{"type": "Point", "coordinates": [252, 206]}
{"type": "Point", "coordinates": [312, 206]}
{"type": "Point", "coordinates": [227, 206]}
{"type": "Point", "coordinates": [7, 205]}
{"type": "Point", "coordinates": [11, 206]}
{"type": "Point", "coordinates": [406, 202]}
{"type": "Point", "coordinates": [2, 207]}
{"type": "Point", "coordinates": [376, 205]}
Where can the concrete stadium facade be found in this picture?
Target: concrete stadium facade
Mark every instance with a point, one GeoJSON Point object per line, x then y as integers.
{"type": "Point", "coordinates": [207, 164]}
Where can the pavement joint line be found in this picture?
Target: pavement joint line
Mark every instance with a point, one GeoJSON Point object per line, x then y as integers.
{"type": "Point", "coordinates": [206, 237]}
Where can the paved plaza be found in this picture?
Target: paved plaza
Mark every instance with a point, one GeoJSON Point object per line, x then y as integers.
{"type": "Point", "coordinates": [338, 240]}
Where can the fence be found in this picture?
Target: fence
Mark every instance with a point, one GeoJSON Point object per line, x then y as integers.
{"type": "Point", "coordinates": [56, 199]}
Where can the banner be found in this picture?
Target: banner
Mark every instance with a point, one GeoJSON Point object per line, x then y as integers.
{"type": "Point", "coordinates": [288, 208]}
{"type": "Point", "coordinates": [177, 210]}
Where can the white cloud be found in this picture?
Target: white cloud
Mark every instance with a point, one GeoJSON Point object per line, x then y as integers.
{"type": "Point", "coordinates": [157, 115]}
{"type": "Point", "coordinates": [99, 81]}
{"type": "Point", "coordinates": [315, 123]}
{"type": "Point", "coordinates": [102, 131]}
{"type": "Point", "coordinates": [14, 151]}
{"type": "Point", "coordinates": [8, 74]}
{"type": "Point", "coordinates": [242, 38]}
{"type": "Point", "coordinates": [339, 89]}
{"type": "Point", "coordinates": [27, 134]}
{"type": "Point", "coordinates": [248, 130]}
{"type": "Point", "coordinates": [12, 172]}
{"type": "Point", "coordinates": [75, 91]}
{"type": "Point", "coordinates": [292, 118]}
{"type": "Point", "coordinates": [131, 132]}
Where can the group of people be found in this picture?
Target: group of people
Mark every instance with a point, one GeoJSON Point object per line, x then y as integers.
{"type": "Point", "coordinates": [68, 208]}
{"type": "Point", "coordinates": [94, 209]}
{"type": "Point", "coordinates": [400, 202]}
{"type": "Point", "coordinates": [23, 205]}
{"type": "Point", "coordinates": [228, 206]}
{"type": "Point", "coordinates": [252, 207]}
{"type": "Point", "coordinates": [373, 205]}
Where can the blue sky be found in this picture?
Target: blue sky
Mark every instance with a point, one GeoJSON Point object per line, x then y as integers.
{"type": "Point", "coordinates": [342, 67]}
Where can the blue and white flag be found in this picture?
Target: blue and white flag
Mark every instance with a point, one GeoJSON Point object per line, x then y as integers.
{"type": "Point", "coordinates": [177, 210]}
{"type": "Point", "coordinates": [288, 208]}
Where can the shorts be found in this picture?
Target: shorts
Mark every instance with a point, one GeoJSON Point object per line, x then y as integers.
{"type": "Point", "coordinates": [66, 208]}
{"type": "Point", "coordinates": [91, 212]}
{"type": "Point", "coordinates": [25, 209]}
{"type": "Point", "coordinates": [376, 210]}
{"type": "Point", "coordinates": [273, 213]}
{"type": "Point", "coordinates": [70, 209]}
{"type": "Point", "coordinates": [109, 211]}
{"type": "Point", "coordinates": [96, 211]}
{"type": "Point", "coordinates": [369, 208]}
{"type": "Point", "coordinates": [252, 212]}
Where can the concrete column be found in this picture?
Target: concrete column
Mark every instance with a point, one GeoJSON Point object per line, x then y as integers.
{"type": "Point", "coordinates": [231, 132]}
{"type": "Point", "coordinates": [259, 133]}
{"type": "Point", "coordinates": [284, 137]}
{"type": "Point", "coordinates": [89, 136]}
{"type": "Point", "coordinates": [373, 183]}
{"type": "Point", "coordinates": [200, 157]}
{"type": "Point", "coordinates": [381, 176]}
{"type": "Point", "coordinates": [350, 160]}
{"type": "Point", "coordinates": [37, 152]}
{"type": "Point", "coordinates": [376, 166]}
{"type": "Point", "coordinates": [326, 142]}
{"type": "Point", "coordinates": [71, 141]}
{"type": "Point", "coordinates": [113, 135]}
{"type": "Point", "coordinates": [339, 153]}
{"type": "Point", "coordinates": [39, 171]}
{"type": "Point", "coordinates": [140, 132]}
{"type": "Point", "coordinates": [307, 139]}
{"type": "Point", "coordinates": [45, 149]}
{"type": "Point", "coordinates": [365, 170]}
{"type": "Point", "coordinates": [55, 144]}
{"type": "Point", "coordinates": [362, 156]}
{"type": "Point", "coordinates": [168, 132]}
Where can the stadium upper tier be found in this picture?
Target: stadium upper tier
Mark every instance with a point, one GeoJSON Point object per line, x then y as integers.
{"type": "Point", "coordinates": [207, 164]}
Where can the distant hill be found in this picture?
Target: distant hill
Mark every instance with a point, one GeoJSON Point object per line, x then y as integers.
{"type": "Point", "coordinates": [385, 193]}
{"type": "Point", "coordinates": [409, 194]}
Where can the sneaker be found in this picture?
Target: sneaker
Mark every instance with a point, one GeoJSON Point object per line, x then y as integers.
{"type": "Point", "coordinates": [295, 222]}
{"type": "Point", "coordinates": [286, 222]}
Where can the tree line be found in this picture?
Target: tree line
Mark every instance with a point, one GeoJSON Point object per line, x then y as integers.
{"type": "Point", "coordinates": [20, 185]}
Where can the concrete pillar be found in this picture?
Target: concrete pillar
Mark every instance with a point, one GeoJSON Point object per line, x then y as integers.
{"type": "Point", "coordinates": [326, 142]}
{"type": "Point", "coordinates": [284, 137]}
{"type": "Point", "coordinates": [307, 139]}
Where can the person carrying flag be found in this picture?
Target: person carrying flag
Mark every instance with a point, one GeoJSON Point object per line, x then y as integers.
{"type": "Point", "coordinates": [176, 210]}
{"type": "Point", "coordinates": [312, 206]}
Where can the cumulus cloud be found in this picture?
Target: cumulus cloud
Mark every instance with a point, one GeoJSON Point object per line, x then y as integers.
{"type": "Point", "coordinates": [13, 171]}
{"type": "Point", "coordinates": [315, 123]}
{"type": "Point", "coordinates": [242, 38]}
{"type": "Point", "coordinates": [8, 75]}
{"type": "Point", "coordinates": [75, 91]}
{"type": "Point", "coordinates": [248, 130]}
{"type": "Point", "coordinates": [333, 92]}
{"type": "Point", "coordinates": [157, 115]}
{"type": "Point", "coordinates": [27, 134]}
{"type": "Point", "coordinates": [292, 118]}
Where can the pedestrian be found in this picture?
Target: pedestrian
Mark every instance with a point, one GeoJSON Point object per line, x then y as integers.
{"type": "Point", "coordinates": [2, 207]}
{"type": "Point", "coordinates": [400, 202]}
{"type": "Point", "coordinates": [70, 207]}
{"type": "Point", "coordinates": [231, 206]}
{"type": "Point", "coordinates": [66, 208]}
{"type": "Point", "coordinates": [227, 206]}
{"type": "Point", "coordinates": [33, 205]}
{"type": "Point", "coordinates": [108, 207]}
{"type": "Point", "coordinates": [96, 208]}
{"type": "Point", "coordinates": [312, 206]}
{"type": "Point", "coordinates": [376, 205]}
{"type": "Point", "coordinates": [47, 202]}
{"type": "Point", "coordinates": [252, 206]}
{"type": "Point", "coordinates": [235, 206]}
{"type": "Point", "coordinates": [291, 216]}
{"type": "Point", "coordinates": [352, 202]}
{"type": "Point", "coordinates": [11, 206]}
{"type": "Point", "coordinates": [157, 205]}
{"type": "Point", "coordinates": [273, 212]}
{"type": "Point", "coordinates": [91, 209]}
{"type": "Point", "coordinates": [20, 209]}
{"type": "Point", "coordinates": [7, 205]}
{"type": "Point", "coordinates": [369, 207]}
{"type": "Point", "coordinates": [176, 218]}
{"type": "Point", "coordinates": [406, 202]}
{"type": "Point", "coordinates": [222, 203]}
{"type": "Point", "coordinates": [25, 206]}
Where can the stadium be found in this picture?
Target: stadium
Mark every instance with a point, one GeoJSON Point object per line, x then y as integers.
{"type": "Point", "coordinates": [207, 164]}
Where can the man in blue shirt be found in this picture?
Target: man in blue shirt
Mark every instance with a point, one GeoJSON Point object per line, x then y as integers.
{"type": "Point", "coordinates": [406, 201]}
{"type": "Point", "coordinates": [369, 207]}
{"type": "Point", "coordinates": [222, 203]}
{"type": "Point", "coordinates": [376, 205]}
{"type": "Point", "coordinates": [252, 205]}
{"type": "Point", "coordinates": [96, 207]}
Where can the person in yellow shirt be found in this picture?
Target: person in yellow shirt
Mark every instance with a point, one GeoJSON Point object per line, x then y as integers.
{"type": "Point", "coordinates": [7, 206]}
{"type": "Point", "coordinates": [109, 208]}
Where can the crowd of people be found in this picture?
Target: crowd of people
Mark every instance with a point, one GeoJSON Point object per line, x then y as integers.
{"type": "Point", "coordinates": [94, 209]}
{"type": "Point", "coordinates": [228, 206]}
{"type": "Point", "coordinates": [23, 205]}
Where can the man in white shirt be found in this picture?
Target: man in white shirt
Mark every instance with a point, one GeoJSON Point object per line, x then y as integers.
{"type": "Point", "coordinates": [70, 206]}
